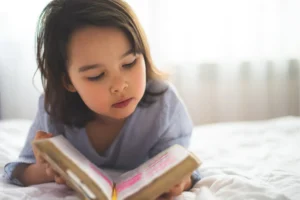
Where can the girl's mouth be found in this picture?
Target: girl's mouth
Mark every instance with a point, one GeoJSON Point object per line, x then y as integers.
{"type": "Point", "coordinates": [122, 104]}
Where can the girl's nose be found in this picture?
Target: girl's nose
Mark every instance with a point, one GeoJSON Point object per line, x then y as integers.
{"type": "Point", "coordinates": [118, 86]}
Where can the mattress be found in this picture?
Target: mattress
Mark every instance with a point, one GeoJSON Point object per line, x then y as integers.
{"type": "Point", "coordinates": [241, 160]}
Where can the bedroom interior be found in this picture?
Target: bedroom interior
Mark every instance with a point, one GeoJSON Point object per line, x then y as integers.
{"type": "Point", "coordinates": [236, 66]}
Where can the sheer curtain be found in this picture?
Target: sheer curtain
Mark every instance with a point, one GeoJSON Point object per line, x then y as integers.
{"type": "Point", "coordinates": [223, 31]}
{"type": "Point", "coordinates": [230, 60]}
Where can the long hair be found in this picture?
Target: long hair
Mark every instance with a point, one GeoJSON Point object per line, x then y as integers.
{"type": "Point", "coordinates": [57, 22]}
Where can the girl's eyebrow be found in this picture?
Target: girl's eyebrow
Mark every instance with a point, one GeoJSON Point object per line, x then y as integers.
{"type": "Point", "coordinates": [130, 51]}
{"type": "Point", "coordinates": [93, 66]}
{"type": "Point", "coordinates": [88, 67]}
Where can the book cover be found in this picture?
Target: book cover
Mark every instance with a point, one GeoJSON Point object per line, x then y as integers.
{"type": "Point", "coordinates": [147, 181]}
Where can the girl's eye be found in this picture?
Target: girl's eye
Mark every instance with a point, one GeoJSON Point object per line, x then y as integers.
{"type": "Point", "coordinates": [95, 78]}
{"type": "Point", "coordinates": [130, 64]}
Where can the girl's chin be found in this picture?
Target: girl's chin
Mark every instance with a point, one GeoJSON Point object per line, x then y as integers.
{"type": "Point", "coordinates": [116, 116]}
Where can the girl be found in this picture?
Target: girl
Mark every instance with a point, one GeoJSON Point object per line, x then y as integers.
{"type": "Point", "coordinates": [102, 92]}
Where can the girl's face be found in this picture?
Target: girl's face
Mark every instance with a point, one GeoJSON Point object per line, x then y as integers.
{"type": "Point", "coordinates": [105, 72]}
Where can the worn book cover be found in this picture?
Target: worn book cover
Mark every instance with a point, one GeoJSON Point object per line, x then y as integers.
{"type": "Point", "coordinates": [147, 181]}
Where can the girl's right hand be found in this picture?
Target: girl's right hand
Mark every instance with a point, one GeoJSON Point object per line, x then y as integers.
{"type": "Point", "coordinates": [41, 161]}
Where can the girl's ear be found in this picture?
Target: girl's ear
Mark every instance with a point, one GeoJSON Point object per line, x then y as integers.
{"type": "Point", "coordinates": [67, 83]}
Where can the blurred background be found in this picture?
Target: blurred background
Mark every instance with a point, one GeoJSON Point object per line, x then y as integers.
{"type": "Point", "coordinates": [230, 60]}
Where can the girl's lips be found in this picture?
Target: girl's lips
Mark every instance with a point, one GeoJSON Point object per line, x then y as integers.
{"type": "Point", "coordinates": [122, 104]}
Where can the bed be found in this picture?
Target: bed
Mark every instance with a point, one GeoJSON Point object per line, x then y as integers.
{"type": "Point", "coordinates": [242, 160]}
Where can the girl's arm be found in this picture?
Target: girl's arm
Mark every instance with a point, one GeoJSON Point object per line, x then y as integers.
{"type": "Point", "coordinates": [37, 173]}
{"type": "Point", "coordinates": [25, 171]}
{"type": "Point", "coordinates": [32, 174]}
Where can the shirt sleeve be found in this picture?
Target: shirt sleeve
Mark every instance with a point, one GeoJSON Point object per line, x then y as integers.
{"type": "Point", "coordinates": [26, 155]}
{"type": "Point", "coordinates": [177, 128]}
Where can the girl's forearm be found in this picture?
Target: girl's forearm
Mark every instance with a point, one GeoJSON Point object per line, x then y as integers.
{"type": "Point", "coordinates": [32, 174]}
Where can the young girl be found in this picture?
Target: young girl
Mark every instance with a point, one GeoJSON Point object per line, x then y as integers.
{"type": "Point", "coordinates": [102, 92]}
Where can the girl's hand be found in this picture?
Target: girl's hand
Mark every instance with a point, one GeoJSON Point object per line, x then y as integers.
{"type": "Point", "coordinates": [176, 190]}
{"type": "Point", "coordinates": [41, 161]}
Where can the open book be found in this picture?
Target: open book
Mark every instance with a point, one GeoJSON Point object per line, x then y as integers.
{"type": "Point", "coordinates": [148, 181]}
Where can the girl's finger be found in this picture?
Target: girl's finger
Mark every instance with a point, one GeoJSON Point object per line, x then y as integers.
{"type": "Point", "coordinates": [176, 190]}
{"type": "Point", "coordinates": [42, 135]}
{"type": "Point", "coordinates": [40, 159]}
{"type": "Point", "coordinates": [48, 165]}
{"type": "Point", "coordinates": [50, 171]}
{"type": "Point", "coordinates": [59, 180]}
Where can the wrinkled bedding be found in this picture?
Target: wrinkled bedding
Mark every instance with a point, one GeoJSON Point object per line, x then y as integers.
{"type": "Point", "coordinates": [242, 160]}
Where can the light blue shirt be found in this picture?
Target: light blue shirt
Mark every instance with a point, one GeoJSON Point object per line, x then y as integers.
{"type": "Point", "coordinates": [148, 131]}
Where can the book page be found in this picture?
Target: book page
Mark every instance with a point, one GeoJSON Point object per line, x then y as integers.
{"type": "Point", "coordinates": [97, 175]}
{"type": "Point", "coordinates": [134, 180]}
{"type": "Point", "coordinates": [113, 174]}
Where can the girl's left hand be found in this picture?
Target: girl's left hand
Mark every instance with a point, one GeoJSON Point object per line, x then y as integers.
{"type": "Point", "coordinates": [176, 190]}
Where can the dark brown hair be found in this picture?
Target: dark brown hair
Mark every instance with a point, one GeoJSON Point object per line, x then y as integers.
{"type": "Point", "coordinates": [59, 19]}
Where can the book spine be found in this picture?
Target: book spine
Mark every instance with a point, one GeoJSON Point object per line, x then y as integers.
{"type": "Point", "coordinates": [114, 194]}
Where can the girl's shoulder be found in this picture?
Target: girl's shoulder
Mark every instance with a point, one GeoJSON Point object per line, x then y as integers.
{"type": "Point", "coordinates": [167, 113]}
{"type": "Point", "coordinates": [44, 121]}
{"type": "Point", "coordinates": [169, 96]}
{"type": "Point", "coordinates": [165, 105]}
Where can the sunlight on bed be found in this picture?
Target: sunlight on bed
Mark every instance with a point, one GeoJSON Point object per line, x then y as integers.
{"type": "Point", "coordinates": [242, 160]}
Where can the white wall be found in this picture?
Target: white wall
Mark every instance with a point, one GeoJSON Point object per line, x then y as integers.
{"type": "Point", "coordinates": [18, 96]}
{"type": "Point", "coordinates": [229, 97]}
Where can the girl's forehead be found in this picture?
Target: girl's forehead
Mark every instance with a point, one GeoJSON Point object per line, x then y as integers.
{"type": "Point", "coordinates": [92, 44]}
{"type": "Point", "coordinates": [98, 34]}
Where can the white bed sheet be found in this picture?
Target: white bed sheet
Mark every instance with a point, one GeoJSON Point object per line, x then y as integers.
{"type": "Point", "coordinates": [245, 160]}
